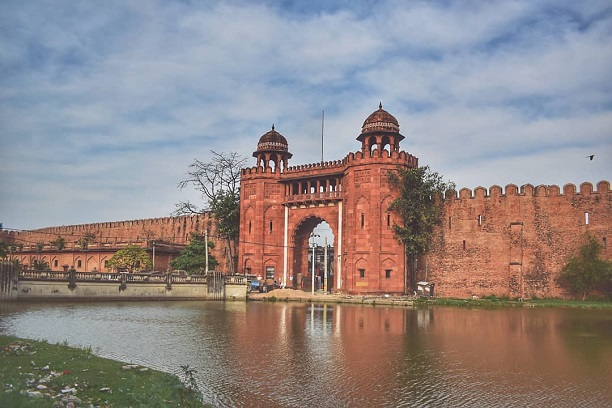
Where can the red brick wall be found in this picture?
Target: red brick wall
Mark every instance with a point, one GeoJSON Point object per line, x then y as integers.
{"type": "Point", "coordinates": [173, 232]}
{"type": "Point", "coordinates": [522, 241]}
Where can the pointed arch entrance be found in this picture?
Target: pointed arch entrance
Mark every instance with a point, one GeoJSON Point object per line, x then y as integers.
{"type": "Point", "coordinates": [312, 244]}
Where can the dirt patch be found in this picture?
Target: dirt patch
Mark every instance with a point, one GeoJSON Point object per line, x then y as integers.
{"type": "Point", "coordinates": [290, 294]}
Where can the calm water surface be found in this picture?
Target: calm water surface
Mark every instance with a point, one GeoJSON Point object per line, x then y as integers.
{"type": "Point", "coordinates": [301, 355]}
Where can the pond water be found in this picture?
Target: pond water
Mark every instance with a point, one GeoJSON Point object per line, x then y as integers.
{"type": "Point", "coordinates": [310, 355]}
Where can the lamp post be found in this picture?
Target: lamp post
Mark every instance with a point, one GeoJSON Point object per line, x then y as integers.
{"type": "Point", "coordinates": [206, 250]}
{"type": "Point", "coordinates": [314, 246]}
{"type": "Point", "coordinates": [325, 265]}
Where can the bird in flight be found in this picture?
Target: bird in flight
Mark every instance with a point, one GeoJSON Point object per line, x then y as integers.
{"type": "Point", "coordinates": [590, 157]}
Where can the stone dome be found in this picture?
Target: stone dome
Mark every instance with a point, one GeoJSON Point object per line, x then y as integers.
{"type": "Point", "coordinates": [380, 121]}
{"type": "Point", "coordinates": [272, 141]}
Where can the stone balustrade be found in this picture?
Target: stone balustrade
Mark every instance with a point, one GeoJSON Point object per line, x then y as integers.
{"type": "Point", "coordinates": [114, 285]}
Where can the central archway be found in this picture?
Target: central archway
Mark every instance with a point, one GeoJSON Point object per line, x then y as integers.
{"type": "Point", "coordinates": [313, 254]}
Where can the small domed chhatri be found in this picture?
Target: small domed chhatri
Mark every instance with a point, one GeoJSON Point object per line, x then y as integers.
{"type": "Point", "coordinates": [379, 130]}
{"type": "Point", "coordinates": [272, 141]}
{"type": "Point", "coordinates": [272, 151]}
{"type": "Point", "coordinates": [380, 121]}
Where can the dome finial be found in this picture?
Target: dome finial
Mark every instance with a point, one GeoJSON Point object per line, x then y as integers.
{"type": "Point", "coordinates": [273, 126]}
{"type": "Point", "coordinates": [380, 105]}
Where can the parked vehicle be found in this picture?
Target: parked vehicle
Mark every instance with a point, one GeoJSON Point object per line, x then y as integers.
{"type": "Point", "coordinates": [256, 286]}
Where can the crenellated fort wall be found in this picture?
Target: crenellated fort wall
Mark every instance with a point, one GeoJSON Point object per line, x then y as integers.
{"type": "Point", "coordinates": [174, 230]}
{"type": "Point", "coordinates": [514, 242]}
{"type": "Point", "coordinates": [170, 235]}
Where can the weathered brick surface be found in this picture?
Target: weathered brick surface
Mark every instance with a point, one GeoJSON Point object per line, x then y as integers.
{"type": "Point", "coordinates": [171, 234]}
{"type": "Point", "coordinates": [522, 241]}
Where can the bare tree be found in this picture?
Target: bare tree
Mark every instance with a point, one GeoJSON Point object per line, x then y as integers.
{"type": "Point", "coordinates": [219, 183]}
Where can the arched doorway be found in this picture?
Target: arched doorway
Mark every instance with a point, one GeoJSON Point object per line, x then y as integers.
{"type": "Point", "coordinates": [313, 255]}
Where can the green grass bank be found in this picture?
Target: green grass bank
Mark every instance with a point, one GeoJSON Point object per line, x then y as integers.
{"type": "Point", "coordinates": [39, 374]}
{"type": "Point", "coordinates": [495, 302]}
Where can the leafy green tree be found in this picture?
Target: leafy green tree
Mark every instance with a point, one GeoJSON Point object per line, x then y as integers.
{"type": "Point", "coordinates": [586, 271]}
{"type": "Point", "coordinates": [86, 239]}
{"type": "Point", "coordinates": [59, 243]}
{"type": "Point", "coordinates": [40, 265]}
{"type": "Point", "coordinates": [420, 206]}
{"type": "Point", "coordinates": [219, 183]}
{"type": "Point", "coordinates": [39, 246]}
{"type": "Point", "coordinates": [14, 248]}
{"type": "Point", "coordinates": [4, 250]}
{"type": "Point", "coordinates": [131, 258]}
{"type": "Point", "coordinates": [193, 258]}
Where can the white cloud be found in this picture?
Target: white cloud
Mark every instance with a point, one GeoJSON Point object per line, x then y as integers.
{"type": "Point", "coordinates": [103, 106]}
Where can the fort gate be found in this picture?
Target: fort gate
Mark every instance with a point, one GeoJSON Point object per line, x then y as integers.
{"type": "Point", "coordinates": [280, 206]}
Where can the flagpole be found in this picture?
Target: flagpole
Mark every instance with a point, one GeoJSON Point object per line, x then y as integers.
{"type": "Point", "coordinates": [322, 127]}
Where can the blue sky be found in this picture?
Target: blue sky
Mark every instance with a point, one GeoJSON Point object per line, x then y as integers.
{"type": "Point", "coordinates": [103, 105]}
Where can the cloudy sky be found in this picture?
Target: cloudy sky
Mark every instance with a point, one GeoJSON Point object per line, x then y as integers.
{"type": "Point", "coordinates": [104, 104]}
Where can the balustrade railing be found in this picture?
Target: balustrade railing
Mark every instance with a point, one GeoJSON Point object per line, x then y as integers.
{"type": "Point", "coordinates": [117, 277]}
{"type": "Point", "coordinates": [236, 279]}
{"type": "Point", "coordinates": [313, 197]}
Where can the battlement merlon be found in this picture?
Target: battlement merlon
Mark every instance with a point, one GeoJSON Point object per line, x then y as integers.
{"type": "Point", "coordinates": [138, 230]}
{"type": "Point", "coordinates": [401, 158]}
{"type": "Point", "coordinates": [528, 190]}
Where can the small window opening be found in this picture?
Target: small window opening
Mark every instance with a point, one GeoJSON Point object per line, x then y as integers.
{"type": "Point", "coordinates": [479, 220]}
{"type": "Point", "coordinates": [55, 263]}
{"type": "Point", "coordinates": [362, 220]}
{"type": "Point", "coordinates": [586, 218]}
{"type": "Point", "coordinates": [605, 243]}
{"type": "Point", "coordinates": [362, 273]}
{"type": "Point", "coordinates": [250, 226]}
{"type": "Point", "coordinates": [79, 263]}
{"type": "Point", "coordinates": [270, 227]}
{"type": "Point", "coordinates": [464, 246]}
{"type": "Point", "coordinates": [450, 222]}
{"type": "Point", "coordinates": [388, 220]}
{"type": "Point", "coordinates": [269, 272]}
{"type": "Point", "coordinates": [106, 264]}
{"type": "Point", "coordinates": [388, 273]}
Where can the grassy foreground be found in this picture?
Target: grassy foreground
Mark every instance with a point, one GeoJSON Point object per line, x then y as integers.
{"type": "Point", "coordinates": [495, 302]}
{"type": "Point", "coordinates": [39, 374]}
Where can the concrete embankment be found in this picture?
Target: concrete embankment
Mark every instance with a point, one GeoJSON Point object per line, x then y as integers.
{"type": "Point", "coordinates": [293, 295]}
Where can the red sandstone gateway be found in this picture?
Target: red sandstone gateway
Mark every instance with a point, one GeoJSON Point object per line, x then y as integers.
{"type": "Point", "coordinates": [281, 206]}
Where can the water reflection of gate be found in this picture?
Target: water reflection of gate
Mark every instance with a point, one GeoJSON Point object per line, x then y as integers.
{"type": "Point", "coordinates": [215, 283]}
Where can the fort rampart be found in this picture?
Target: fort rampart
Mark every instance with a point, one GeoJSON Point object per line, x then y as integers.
{"type": "Point", "coordinates": [171, 229]}
{"type": "Point", "coordinates": [514, 242]}
{"type": "Point", "coordinates": [168, 235]}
